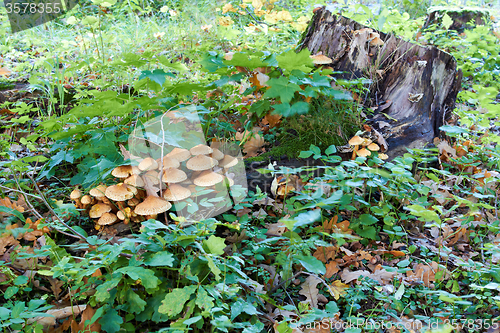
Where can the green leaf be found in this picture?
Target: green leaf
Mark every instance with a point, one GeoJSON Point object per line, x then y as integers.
{"type": "Point", "coordinates": [157, 75]}
{"type": "Point", "coordinates": [214, 245]}
{"type": "Point", "coordinates": [102, 291]}
{"type": "Point", "coordinates": [449, 129]}
{"type": "Point", "coordinates": [240, 306]}
{"type": "Point", "coordinates": [367, 219]}
{"type": "Point", "coordinates": [312, 264]}
{"type": "Point", "coordinates": [447, 21]}
{"type": "Point", "coordinates": [134, 302]}
{"type": "Point", "coordinates": [214, 268]}
{"type": "Point", "coordinates": [302, 219]}
{"type": "Point", "coordinates": [367, 232]}
{"type": "Point", "coordinates": [111, 321]}
{"type": "Point", "coordinates": [174, 302]}
{"type": "Point", "coordinates": [331, 150]}
{"type": "Point", "coordinates": [203, 300]}
{"type": "Point", "coordinates": [282, 88]}
{"type": "Point", "coordinates": [162, 258]}
{"type": "Point", "coordinates": [305, 154]}
{"type": "Point", "coordinates": [400, 292]}
{"type": "Point", "coordinates": [146, 276]}
{"type": "Point", "coordinates": [404, 263]}
{"type": "Point", "coordinates": [287, 110]}
{"type": "Point", "coordinates": [425, 214]}
{"type": "Point", "coordinates": [292, 60]}
{"type": "Point", "coordinates": [9, 210]}
{"type": "Point", "coordinates": [11, 291]}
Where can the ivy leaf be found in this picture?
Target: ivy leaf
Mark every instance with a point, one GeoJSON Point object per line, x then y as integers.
{"type": "Point", "coordinates": [203, 300]}
{"type": "Point", "coordinates": [111, 321]}
{"type": "Point", "coordinates": [282, 88]}
{"type": "Point", "coordinates": [146, 276]}
{"type": "Point", "coordinates": [214, 245]}
{"type": "Point", "coordinates": [286, 110]}
{"type": "Point", "coordinates": [162, 258]}
{"type": "Point", "coordinates": [292, 60]}
{"type": "Point", "coordinates": [174, 302]}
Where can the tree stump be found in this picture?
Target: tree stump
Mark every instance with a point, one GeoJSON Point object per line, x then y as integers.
{"type": "Point", "coordinates": [413, 88]}
{"type": "Point", "coordinates": [460, 17]}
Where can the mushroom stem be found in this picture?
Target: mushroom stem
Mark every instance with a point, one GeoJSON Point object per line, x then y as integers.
{"type": "Point", "coordinates": [354, 152]}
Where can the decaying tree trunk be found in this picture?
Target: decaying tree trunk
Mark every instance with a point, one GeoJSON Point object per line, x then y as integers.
{"type": "Point", "coordinates": [460, 17]}
{"type": "Point", "coordinates": [413, 87]}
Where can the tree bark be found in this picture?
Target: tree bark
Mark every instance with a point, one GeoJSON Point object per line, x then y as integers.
{"type": "Point", "coordinates": [413, 88]}
{"type": "Point", "coordinates": [460, 18]}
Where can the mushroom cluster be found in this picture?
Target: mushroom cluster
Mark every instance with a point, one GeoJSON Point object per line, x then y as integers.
{"type": "Point", "coordinates": [153, 185]}
{"type": "Point", "coordinates": [364, 147]}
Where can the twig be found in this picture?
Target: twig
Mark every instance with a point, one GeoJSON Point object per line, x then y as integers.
{"type": "Point", "coordinates": [254, 18]}
{"type": "Point", "coordinates": [54, 213]}
{"type": "Point", "coordinates": [18, 191]}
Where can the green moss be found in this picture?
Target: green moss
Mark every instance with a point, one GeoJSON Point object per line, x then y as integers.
{"type": "Point", "coordinates": [329, 122]}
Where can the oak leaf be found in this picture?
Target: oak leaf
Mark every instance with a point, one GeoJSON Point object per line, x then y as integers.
{"type": "Point", "coordinates": [338, 289]}
{"type": "Point", "coordinates": [310, 291]}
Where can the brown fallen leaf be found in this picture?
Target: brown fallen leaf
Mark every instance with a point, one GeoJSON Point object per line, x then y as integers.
{"type": "Point", "coordinates": [310, 291]}
{"type": "Point", "coordinates": [86, 315]}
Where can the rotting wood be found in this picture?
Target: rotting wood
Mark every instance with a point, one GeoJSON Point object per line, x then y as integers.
{"type": "Point", "coordinates": [413, 87]}
{"type": "Point", "coordinates": [460, 17]}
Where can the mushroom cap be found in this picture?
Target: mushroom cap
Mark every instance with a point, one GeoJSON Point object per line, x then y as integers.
{"type": "Point", "coordinates": [86, 200]}
{"type": "Point", "coordinates": [152, 205]}
{"type": "Point", "coordinates": [201, 162]}
{"type": "Point", "coordinates": [320, 59]}
{"type": "Point", "coordinates": [366, 142]}
{"type": "Point", "coordinates": [363, 152]}
{"type": "Point", "coordinates": [120, 192]}
{"type": "Point", "coordinates": [376, 42]}
{"type": "Point", "coordinates": [152, 176]}
{"type": "Point", "coordinates": [148, 163]}
{"type": "Point", "coordinates": [201, 149]}
{"type": "Point", "coordinates": [170, 162]}
{"type": "Point", "coordinates": [217, 154]}
{"type": "Point", "coordinates": [172, 175]}
{"type": "Point", "coordinates": [176, 192]}
{"type": "Point", "coordinates": [373, 147]}
{"type": "Point", "coordinates": [75, 194]}
{"type": "Point", "coordinates": [180, 154]}
{"type": "Point", "coordinates": [98, 192]}
{"type": "Point", "coordinates": [122, 171]}
{"type": "Point", "coordinates": [98, 210]}
{"type": "Point", "coordinates": [383, 156]}
{"type": "Point", "coordinates": [228, 161]}
{"type": "Point", "coordinates": [136, 170]}
{"type": "Point", "coordinates": [208, 178]}
{"type": "Point", "coordinates": [107, 218]}
{"type": "Point", "coordinates": [134, 180]}
{"type": "Point", "coordinates": [356, 140]}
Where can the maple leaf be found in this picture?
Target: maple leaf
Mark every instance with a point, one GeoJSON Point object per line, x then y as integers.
{"type": "Point", "coordinates": [281, 88]}
{"type": "Point", "coordinates": [310, 291]}
{"type": "Point", "coordinates": [288, 110]}
{"type": "Point", "coordinates": [338, 289]}
{"type": "Point", "coordinates": [292, 60]}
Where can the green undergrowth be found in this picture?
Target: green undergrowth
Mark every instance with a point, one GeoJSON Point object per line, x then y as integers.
{"type": "Point", "coordinates": [413, 241]}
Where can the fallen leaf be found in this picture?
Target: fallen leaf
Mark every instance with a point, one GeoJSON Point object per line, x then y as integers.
{"type": "Point", "coordinates": [338, 289]}
{"type": "Point", "coordinates": [310, 291]}
{"type": "Point", "coordinates": [58, 314]}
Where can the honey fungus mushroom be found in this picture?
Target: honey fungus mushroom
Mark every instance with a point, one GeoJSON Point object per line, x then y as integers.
{"type": "Point", "coordinates": [208, 178]}
{"type": "Point", "coordinates": [75, 195]}
{"type": "Point", "coordinates": [123, 171]}
{"type": "Point", "coordinates": [176, 192]}
{"type": "Point", "coordinates": [179, 154]}
{"type": "Point", "coordinates": [107, 219]}
{"type": "Point", "coordinates": [201, 149]}
{"type": "Point", "coordinates": [172, 176]}
{"type": "Point", "coordinates": [200, 163]}
{"type": "Point", "coordinates": [355, 141]}
{"type": "Point", "coordinates": [99, 210]}
{"type": "Point", "coordinates": [152, 205]}
{"type": "Point", "coordinates": [147, 164]}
